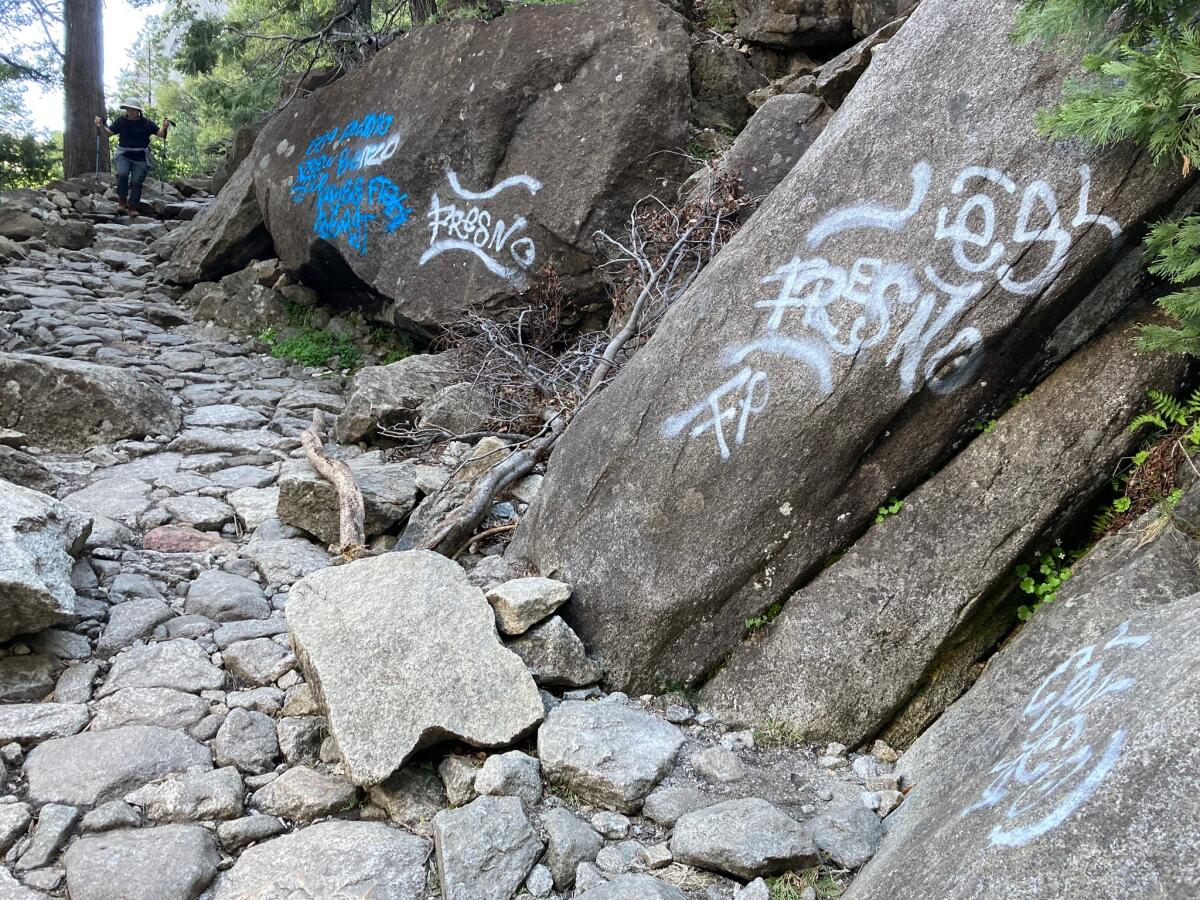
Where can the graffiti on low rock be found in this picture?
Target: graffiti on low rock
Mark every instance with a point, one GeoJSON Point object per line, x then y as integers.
{"type": "Point", "coordinates": [820, 309]}
{"type": "Point", "coordinates": [349, 198]}
{"type": "Point", "coordinates": [1064, 757]}
{"type": "Point", "coordinates": [464, 223]}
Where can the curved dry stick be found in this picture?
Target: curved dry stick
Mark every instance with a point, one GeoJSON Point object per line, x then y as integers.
{"type": "Point", "coordinates": [351, 511]}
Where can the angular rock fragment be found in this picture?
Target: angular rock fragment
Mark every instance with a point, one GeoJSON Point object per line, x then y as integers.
{"type": "Point", "coordinates": [523, 602]}
{"type": "Point", "coordinates": [555, 656]}
{"type": "Point", "coordinates": [192, 796]}
{"type": "Point", "coordinates": [38, 538]}
{"type": "Point", "coordinates": [608, 753]}
{"type": "Point", "coordinates": [310, 501]}
{"type": "Point", "coordinates": [303, 794]}
{"type": "Point", "coordinates": [744, 838]}
{"type": "Point", "coordinates": [360, 627]}
{"type": "Point", "coordinates": [485, 849]}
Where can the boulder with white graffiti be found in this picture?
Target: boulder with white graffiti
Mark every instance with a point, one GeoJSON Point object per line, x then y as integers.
{"type": "Point", "coordinates": [1036, 467]}
{"type": "Point", "coordinates": [467, 157]}
{"type": "Point", "coordinates": [905, 280]}
{"type": "Point", "coordinates": [1070, 769]}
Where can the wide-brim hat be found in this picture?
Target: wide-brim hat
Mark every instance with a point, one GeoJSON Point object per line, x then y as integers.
{"type": "Point", "coordinates": [132, 103]}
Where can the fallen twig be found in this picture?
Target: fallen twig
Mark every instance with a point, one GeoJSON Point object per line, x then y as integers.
{"type": "Point", "coordinates": [351, 511]}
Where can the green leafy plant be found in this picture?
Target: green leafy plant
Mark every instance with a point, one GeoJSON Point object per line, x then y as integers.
{"type": "Point", "coordinates": [889, 509]}
{"type": "Point", "coordinates": [1149, 477]}
{"type": "Point", "coordinates": [754, 623]}
{"type": "Point", "coordinates": [1042, 580]}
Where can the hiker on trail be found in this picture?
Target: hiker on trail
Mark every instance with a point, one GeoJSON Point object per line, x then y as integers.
{"type": "Point", "coordinates": [133, 132]}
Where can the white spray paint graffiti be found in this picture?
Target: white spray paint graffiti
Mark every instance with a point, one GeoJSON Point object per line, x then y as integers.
{"type": "Point", "coordinates": [472, 228]}
{"type": "Point", "coordinates": [848, 310]}
{"type": "Point", "coordinates": [1061, 763]}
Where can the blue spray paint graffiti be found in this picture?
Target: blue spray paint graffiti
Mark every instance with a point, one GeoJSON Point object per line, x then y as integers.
{"type": "Point", "coordinates": [347, 202]}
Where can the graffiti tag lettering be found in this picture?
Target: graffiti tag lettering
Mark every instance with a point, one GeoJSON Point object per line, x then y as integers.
{"type": "Point", "coordinates": [820, 310]}
{"type": "Point", "coordinates": [1062, 761]}
{"type": "Point", "coordinates": [346, 202]}
{"type": "Point", "coordinates": [470, 227]}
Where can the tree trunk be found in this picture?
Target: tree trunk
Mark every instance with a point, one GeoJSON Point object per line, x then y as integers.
{"type": "Point", "coordinates": [423, 10]}
{"type": "Point", "coordinates": [84, 87]}
{"type": "Point", "coordinates": [355, 14]}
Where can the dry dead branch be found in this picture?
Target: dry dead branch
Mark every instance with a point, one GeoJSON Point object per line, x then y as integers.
{"type": "Point", "coordinates": [537, 378]}
{"type": "Point", "coordinates": [351, 512]}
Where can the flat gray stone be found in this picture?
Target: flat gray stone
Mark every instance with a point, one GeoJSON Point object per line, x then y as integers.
{"type": "Point", "coordinates": [484, 849]}
{"type": "Point", "coordinates": [192, 796]}
{"type": "Point", "coordinates": [259, 661]}
{"type": "Point", "coordinates": [608, 753]}
{"type": "Point", "coordinates": [523, 602]}
{"type": "Point", "coordinates": [254, 506]}
{"type": "Point", "coordinates": [30, 723]}
{"type": "Point", "coordinates": [171, 861]}
{"type": "Point", "coordinates": [237, 833]}
{"type": "Point", "coordinates": [286, 560]}
{"type": "Point", "coordinates": [303, 794]}
{"type": "Point", "coordinates": [109, 816]}
{"type": "Point", "coordinates": [205, 513]}
{"type": "Point", "coordinates": [309, 501]}
{"type": "Point", "coordinates": [330, 859]}
{"type": "Point", "coordinates": [55, 823]}
{"type": "Point", "coordinates": [232, 632]}
{"type": "Point", "coordinates": [225, 597]}
{"type": "Point", "coordinates": [14, 821]}
{"type": "Point", "coordinates": [569, 841]}
{"type": "Point", "coordinates": [511, 774]}
{"type": "Point", "coordinates": [120, 498]}
{"type": "Point", "coordinates": [179, 664]}
{"type": "Point", "coordinates": [246, 740]}
{"type": "Point", "coordinates": [75, 683]}
{"type": "Point", "coordinates": [357, 625]}
{"type": "Point", "coordinates": [744, 838]}
{"type": "Point", "coordinates": [90, 768]}
{"type": "Point", "coordinates": [634, 887]}
{"type": "Point", "coordinates": [163, 707]}
{"type": "Point", "coordinates": [133, 620]}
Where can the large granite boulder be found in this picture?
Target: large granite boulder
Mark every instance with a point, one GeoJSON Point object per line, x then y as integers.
{"type": "Point", "coordinates": [971, 523]}
{"type": "Point", "coordinates": [888, 294]}
{"type": "Point", "coordinates": [403, 652]}
{"type": "Point", "coordinates": [1070, 769]}
{"type": "Point", "coordinates": [391, 395]}
{"type": "Point", "coordinates": [456, 194]}
{"type": "Point", "coordinates": [39, 538]}
{"type": "Point", "coordinates": [67, 404]}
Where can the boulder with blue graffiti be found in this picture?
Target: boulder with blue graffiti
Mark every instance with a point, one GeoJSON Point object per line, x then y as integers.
{"type": "Point", "coordinates": [467, 158]}
{"type": "Point", "coordinates": [904, 281]}
{"type": "Point", "coordinates": [1069, 770]}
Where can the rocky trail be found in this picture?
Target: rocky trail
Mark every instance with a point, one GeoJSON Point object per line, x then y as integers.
{"type": "Point", "coordinates": [161, 740]}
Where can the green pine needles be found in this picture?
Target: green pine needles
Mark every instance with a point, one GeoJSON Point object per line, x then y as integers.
{"type": "Point", "coordinates": [1141, 60]}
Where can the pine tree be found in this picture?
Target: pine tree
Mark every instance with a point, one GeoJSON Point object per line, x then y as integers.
{"type": "Point", "coordinates": [1142, 83]}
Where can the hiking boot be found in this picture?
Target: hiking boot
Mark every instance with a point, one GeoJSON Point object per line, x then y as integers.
{"type": "Point", "coordinates": [122, 203]}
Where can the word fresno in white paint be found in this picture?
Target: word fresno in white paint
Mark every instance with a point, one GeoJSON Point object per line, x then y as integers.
{"type": "Point", "coordinates": [822, 309]}
{"type": "Point", "coordinates": [1062, 761]}
{"type": "Point", "coordinates": [472, 228]}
